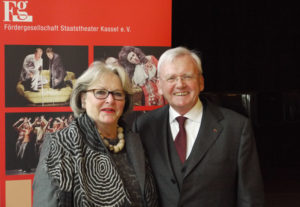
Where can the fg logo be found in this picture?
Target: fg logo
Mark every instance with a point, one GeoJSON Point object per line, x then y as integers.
{"type": "Point", "coordinates": [15, 11]}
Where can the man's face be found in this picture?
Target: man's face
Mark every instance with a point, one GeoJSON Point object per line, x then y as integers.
{"type": "Point", "coordinates": [180, 83]}
{"type": "Point", "coordinates": [49, 55]}
{"type": "Point", "coordinates": [38, 54]}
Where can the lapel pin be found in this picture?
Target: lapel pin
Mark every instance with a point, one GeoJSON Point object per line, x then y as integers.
{"type": "Point", "coordinates": [215, 130]}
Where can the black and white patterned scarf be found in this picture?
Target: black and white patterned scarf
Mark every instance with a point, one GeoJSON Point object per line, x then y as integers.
{"type": "Point", "coordinates": [79, 163]}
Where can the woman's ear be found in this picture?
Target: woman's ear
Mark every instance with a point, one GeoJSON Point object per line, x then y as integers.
{"type": "Point", "coordinates": [83, 99]}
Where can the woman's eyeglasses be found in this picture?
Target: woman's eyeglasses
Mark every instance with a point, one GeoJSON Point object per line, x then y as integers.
{"type": "Point", "coordinates": [103, 94]}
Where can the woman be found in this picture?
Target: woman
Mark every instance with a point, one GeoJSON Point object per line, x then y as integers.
{"type": "Point", "coordinates": [142, 70]}
{"type": "Point", "coordinates": [95, 161]}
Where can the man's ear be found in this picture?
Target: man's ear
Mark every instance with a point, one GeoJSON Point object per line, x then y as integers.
{"type": "Point", "coordinates": [159, 87]}
{"type": "Point", "coordinates": [201, 79]}
{"type": "Point", "coordinates": [83, 99]}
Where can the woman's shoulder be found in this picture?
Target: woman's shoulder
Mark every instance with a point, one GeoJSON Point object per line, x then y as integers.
{"type": "Point", "coordinates": [64, 138]}
{"type": "Point", "coordinates": [68, 131]}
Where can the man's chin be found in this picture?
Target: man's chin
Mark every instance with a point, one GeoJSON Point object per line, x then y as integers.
{"type": "Point", "coordinates": [181, 100]}
{"type": "Point", "coordinates": [180, 105]}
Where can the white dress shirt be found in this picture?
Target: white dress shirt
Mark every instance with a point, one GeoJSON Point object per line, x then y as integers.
{"type": "Point", "coordinates": [192, 124]}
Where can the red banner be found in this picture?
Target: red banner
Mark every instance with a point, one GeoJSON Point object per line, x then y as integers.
{"type": "Point", "coordinates": [97, 22]}
{"type": "Point", "coordinates": [80, 32]}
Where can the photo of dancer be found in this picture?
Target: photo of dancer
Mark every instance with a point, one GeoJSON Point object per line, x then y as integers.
{"type": "Point", "coordinates": [42, 75]}
{"type": "Point", "coordinates": [24, 137]}
{"type": "Point", "coordinates": [141, 65]}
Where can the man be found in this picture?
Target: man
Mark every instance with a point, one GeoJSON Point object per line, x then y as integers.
{"type": "Point", "coordinates": [30, 74]}
{"type": "Point", "coordinates": [57, 71]}
{"type": "Point", "coordinates": [216, 164]}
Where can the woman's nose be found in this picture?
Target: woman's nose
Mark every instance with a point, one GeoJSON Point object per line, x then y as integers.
{"type": "Point", "coordinates": [110, 98]}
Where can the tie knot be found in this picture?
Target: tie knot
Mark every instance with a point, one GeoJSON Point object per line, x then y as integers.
{"type": "Point", "coordinates": [181, 120]}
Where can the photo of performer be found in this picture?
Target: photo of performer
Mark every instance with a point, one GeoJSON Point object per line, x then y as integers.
{"type": "Point", "coordinates": [25, 137]}
{"type": "Point", "coordinates": [143, 73]}
{"type": "Point", "coordinates": [40, 129]}
{"type": "Point", "coordinates": [58, 124]}
{"type": "Point", "coordinates": [23, 144]}
{"type": "Point", "coordinates": [31, 71]}
{"type": "Point", "coordinates": [47, 76]}
{"type": "Point", "coordinates": [18, 126]}
{"type": "Point", "coordinates": [57, 70]}
{"type": "Point", "coordinates": [112, 61]}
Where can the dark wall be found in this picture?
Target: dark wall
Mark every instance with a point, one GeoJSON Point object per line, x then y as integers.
{"type": "Point", "coordinates": [245, 45]}
{"type": "Point", "coordinates": [250, 46]}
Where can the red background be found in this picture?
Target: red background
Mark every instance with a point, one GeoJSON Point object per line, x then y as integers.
{"type": "Point", "coordinates": [149, 22]}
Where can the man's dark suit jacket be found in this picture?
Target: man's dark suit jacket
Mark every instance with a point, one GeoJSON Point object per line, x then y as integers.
{"type": "Point", "coordinates": [57, 71]}
{"type": "Point", "coordinates": [223, 168]}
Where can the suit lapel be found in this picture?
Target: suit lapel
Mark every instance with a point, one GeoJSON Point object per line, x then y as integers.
{"type": "Point", "coordinates": [161, 136]}
{"type": "Point", "coordinates": [136, 157]}
{"type": "Point", "coordinates": [209, 131]}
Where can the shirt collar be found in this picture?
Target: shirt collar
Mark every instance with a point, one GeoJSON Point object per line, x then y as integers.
{"type": "Point", "coordinates": [194, 114]}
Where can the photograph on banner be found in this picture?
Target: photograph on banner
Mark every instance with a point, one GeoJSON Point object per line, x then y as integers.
{"type": "Point", "coordinates": [140, 63]}
{"type": "Point", "coordinates": [42, 75]}
{"type": "Point", "coordinates": [24, 137]}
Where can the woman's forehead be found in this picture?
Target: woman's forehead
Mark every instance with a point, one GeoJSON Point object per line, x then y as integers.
{"type": "Point", "coordinates": [107, 81]}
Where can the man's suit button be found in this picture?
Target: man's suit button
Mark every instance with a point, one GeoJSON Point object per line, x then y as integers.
{"type": "Point", "coordinates": [173, 180]}
{"type": "Point", "coordinates": [183, 169]}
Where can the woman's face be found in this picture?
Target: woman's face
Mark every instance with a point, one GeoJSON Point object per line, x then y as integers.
{"type": "Point", "coordinates": [133, 58]}
{"type": "Point", "coordinates": [106, 111]}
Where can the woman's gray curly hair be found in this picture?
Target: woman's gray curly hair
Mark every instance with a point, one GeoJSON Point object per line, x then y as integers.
{"type": "Point", "coordinates": [90, 76]}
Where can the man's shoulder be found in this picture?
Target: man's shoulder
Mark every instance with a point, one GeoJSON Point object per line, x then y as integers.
{"type": "Point", "coordinates": [223, 112]}
{"type": "Point", "coordinates": [156, 113]}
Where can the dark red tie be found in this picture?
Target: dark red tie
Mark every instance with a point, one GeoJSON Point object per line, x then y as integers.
{"type": "Point", "coordinates": [180, 140]}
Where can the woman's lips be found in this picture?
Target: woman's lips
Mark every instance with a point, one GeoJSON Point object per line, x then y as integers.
{"type": "Point", "coordinates": [108, 110]}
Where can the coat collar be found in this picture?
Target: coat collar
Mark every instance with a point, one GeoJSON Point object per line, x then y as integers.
{"type": "Point", "coordinates": [137, 157]}
{"type": "Point", "coordinates": [160, 129]}
{"type": "Point", "coordinates": [209, 132]}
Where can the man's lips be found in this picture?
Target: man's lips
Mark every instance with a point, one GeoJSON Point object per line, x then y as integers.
{"type": "Point", "coordinates": [181, 93]}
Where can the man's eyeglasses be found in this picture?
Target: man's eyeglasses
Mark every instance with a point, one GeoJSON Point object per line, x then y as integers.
{"type": "Point", "coordinates": [103, 94]}
{"type": "Point", "coordinates": [185, 78]}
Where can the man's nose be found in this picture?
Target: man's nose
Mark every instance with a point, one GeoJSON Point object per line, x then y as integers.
{"type": "Point", "coordinates": [180, 82]}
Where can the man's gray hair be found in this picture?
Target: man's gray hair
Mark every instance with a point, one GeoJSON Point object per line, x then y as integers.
{"type": "Point", "coordinates": [171, 54]}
